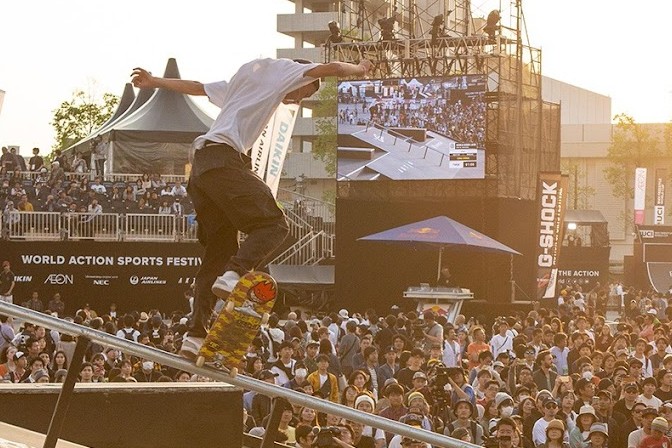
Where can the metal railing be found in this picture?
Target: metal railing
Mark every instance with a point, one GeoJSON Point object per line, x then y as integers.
{"type": "Point", "coordinates": [92, 226]}
{"type": "Point", "coordinates": [310, 250]}
{"type": "Point", "coordinates": [245, 382]}
{"type": "Point", "coordinates": [141, 227]}
{"type": "Point", "coordinates": [55, 226]}
{"type": "Point", "coordinates": [33, 225]}
{"type": "Point", "coordinates": [109, 177]}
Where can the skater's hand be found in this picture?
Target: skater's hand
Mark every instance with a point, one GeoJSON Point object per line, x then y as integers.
{"type": "Point", "coordinates": [142, 79]}
{"type": "Point", "coordinates": [366, 65]}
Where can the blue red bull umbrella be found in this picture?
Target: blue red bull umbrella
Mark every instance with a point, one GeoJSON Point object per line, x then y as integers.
{"type": "Point", "coordinates": [441, 232]}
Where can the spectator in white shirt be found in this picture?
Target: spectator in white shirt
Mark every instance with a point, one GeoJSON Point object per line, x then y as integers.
{"type": "Point", "coordinates": [178, 189]}
{"type": "Point", "coordinates": [502, 342]}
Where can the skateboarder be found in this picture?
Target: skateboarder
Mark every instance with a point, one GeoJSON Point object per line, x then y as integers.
{"type": "Point", "coordinates": [228, 197]}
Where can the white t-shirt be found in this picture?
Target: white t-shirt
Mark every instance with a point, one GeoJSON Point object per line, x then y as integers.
{"type": "Point", "coordinates": [250, 98]}
{"type": "Point", "coordinates": [653, 402]}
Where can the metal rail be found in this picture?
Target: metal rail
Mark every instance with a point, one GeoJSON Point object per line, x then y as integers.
{"type": "Point", "coordinates": [143, 351]}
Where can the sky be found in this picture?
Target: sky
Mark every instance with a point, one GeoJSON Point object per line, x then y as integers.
{"type": "Point", "coordinates": [52, 49]}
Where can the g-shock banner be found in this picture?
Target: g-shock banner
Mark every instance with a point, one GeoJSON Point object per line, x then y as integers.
{"type": "Point", "coordinates": [552, 197]}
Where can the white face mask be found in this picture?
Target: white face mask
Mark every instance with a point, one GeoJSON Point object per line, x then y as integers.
{"type": "Point", "coordinates": [587, 375]}
{"type": "Point", "coordinates": [147, 365]}
{"type": "Point", "coordinates": [507, 411]}
{"type": "Point", "coordinates": [301, 373]}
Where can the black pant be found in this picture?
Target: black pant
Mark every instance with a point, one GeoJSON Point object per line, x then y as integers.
{"type": "Point", "coordinates": [100, 168]}
{"type": "Point", "coordinates": [228, 197]}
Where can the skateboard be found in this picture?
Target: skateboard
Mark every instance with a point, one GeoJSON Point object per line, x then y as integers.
{"type": "Point", "coordinates": [236, 326]}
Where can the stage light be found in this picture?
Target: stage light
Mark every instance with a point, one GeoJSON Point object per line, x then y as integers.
{"type": "Point", "coordinates": [571, 226]}
{"type": "Point", "coordinates": [387, 28]}
{"type": "Point", "coordinates": [335, 29]}
{"type": "Point", "coordinates": [491, 26]}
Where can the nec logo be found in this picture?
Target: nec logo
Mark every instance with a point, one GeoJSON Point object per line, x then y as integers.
{"type": "Point", "coordinates": [59, 279]}
{"type": "Point", "coordinates": [647, 233]}
{"type": "Point", "coordinates": [103, 282]}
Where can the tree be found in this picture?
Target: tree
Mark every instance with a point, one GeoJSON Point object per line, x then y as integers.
{"type": "Point", "coordinates": [580, 194]}
{"type": "Point", "coordinates": [632, 146]}
{"type": "Point", "coordinates": [324, 146]}
{"type": "Point", "coordinates": [78, 117]}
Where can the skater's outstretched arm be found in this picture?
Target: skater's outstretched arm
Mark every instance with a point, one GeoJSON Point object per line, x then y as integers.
{"type": "Point", "coordinates": [340, 69]}
{"type": "Point", "coordinates": [142, 79]}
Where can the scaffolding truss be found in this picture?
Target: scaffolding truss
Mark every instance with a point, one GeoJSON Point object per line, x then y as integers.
{"type": "Point", "coordinates": [522, 131]}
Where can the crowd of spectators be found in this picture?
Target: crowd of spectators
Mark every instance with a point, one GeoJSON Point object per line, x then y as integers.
{"type": "Point", "coordinates": [426, 107]}
{"type": "Point", "coordinates": [53, 189]}
{"type": "Point", "coordinates": [560, 376]}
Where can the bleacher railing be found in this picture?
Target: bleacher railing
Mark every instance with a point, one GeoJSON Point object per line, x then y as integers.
{"type": "Point", "coordinates": [57, 226]}
{"type": "Point", "coordinates": [109, 177]}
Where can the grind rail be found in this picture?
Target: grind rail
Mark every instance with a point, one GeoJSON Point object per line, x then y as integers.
{"type": "Point", "coordinates": [245, 382]}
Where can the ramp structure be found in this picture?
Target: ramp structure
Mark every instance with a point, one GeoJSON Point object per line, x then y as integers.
{"type": "Point", "coordinates": [85, 334]}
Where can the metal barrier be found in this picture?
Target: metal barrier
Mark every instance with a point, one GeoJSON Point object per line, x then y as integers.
{"type": "Point", "coordinates": [110, 177]}
{"type": "Point", "coordinates": [33, 225]}
{"type": "Point", "coordinates": [98, 226]}
{"type": "Point", "coordinates": [142, 227]}
{"type": "Point", "coordinates": [92, 226]}
{"type": "Point", "coordinates": [169, 359]}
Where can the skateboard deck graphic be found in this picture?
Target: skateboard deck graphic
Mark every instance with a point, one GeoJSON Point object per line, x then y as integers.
{"type": "Point", "coordinates": [238, 323]}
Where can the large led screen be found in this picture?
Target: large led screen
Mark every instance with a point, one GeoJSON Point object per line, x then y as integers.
{"type": "Point", "coordinates": [412, 129]}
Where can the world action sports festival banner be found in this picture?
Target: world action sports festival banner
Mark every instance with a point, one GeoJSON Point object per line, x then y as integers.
{"type": "Point", "coordinates": [135, 276]}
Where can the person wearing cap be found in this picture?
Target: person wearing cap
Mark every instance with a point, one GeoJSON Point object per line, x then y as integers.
{"type": "Point", "coordinates": [635, 438]}
{"type": "Point", "coordinates": [7, 283]}
{"type": "Point", "coordinates": [657, 438]}
{"type": "Point", "coordinates": [366, 403]}
{"type": "Point", "coordinates": [312, 350]}
{"type": "Point", "coordinates": [464, 412]}
{"type": "Point", "coordinates": [579, 433]}
{"type": "Point", "coordinates": [390, 367]}
{"type": "Point", "coordinates": [598, 435]}
{"type": "Point", "coordinates": [555, 435]}
{"type": "Point", "coordinates": [550, 409]}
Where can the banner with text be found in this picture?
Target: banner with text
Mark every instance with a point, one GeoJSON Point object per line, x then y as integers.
{"type": "Point", "coordinates": [640, 195]}
{"type": "Point", "coordinates": [552, 197]}
{"type": "Point", "coordinates": [659, 194]}
{"type": "Point", "coordinates": [136, 276]}
{"type": "Point", "coordinates": [269, 151]}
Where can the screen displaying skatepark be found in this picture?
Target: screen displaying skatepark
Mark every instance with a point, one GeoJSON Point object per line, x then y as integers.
{"type": "Point", "coordinates": [412, 129]}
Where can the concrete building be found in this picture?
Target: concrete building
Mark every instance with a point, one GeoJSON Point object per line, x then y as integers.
{"type": "Point", "coordinates": [586, 134]}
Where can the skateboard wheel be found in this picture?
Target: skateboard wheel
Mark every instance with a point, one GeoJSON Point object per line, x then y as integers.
{"type": "Point", "coordinates": [264, 319]}
{"type": "Point", "coordinates": [230, 304]}
{"type": "Point", "coordinates": [233, 372]}
{"type": "Point", "coordinates": [200, 361]}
